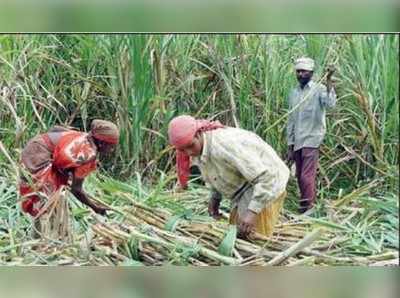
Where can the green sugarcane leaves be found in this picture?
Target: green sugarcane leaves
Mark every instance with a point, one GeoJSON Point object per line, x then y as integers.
{"type": "Point", "coordinates": [228, 243]}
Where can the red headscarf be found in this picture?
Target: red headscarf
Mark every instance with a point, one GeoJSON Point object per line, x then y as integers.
{"type": "Point", "coordinates": [181, 132]}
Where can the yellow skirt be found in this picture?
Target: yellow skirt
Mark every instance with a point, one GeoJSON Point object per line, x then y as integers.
{"type": "Point", "coordinates": [266, 219]}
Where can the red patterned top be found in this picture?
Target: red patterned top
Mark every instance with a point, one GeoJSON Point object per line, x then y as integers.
{"type": "Point", "coordinates": [75, 151]}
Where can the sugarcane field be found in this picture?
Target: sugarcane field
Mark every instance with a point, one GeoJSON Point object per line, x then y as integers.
{"type": "Point", "coordinates": [199, 149]}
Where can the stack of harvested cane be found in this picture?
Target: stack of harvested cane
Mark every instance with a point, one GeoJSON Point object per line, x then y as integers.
{"type": "Point", "coordinates": [158, 228]}
{"type": "Point", "coordinates": [157, 238]}
{"type": "Point", "coordinates": [143, 235]}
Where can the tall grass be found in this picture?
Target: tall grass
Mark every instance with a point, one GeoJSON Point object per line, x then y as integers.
{"type": "Point", "coordinates": [142, 81]}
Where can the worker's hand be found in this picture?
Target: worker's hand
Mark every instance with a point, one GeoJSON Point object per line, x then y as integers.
{"type": "Point", "coordinates": [290, 154]}
{"type": "Point", "coordinates": [247, 224]}
{"type": "Point", "coordinates": [213, 208]}
{"type": "Point", "coordinates": [100, 210]}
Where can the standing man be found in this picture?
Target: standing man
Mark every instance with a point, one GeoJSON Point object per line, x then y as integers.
{"type": "Point", "coordinates": [306, 127]}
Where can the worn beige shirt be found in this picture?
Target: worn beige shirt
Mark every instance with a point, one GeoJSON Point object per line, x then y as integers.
{"type": "Point", "coordinates": [232, 156]}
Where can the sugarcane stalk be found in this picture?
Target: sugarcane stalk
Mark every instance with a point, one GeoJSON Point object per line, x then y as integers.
{"type": "Point", "coordinates": [188, 242]}
{"type": "Point", "coordinates": [299, 246]}
{"type": "Point", "coordinates": [202, 250]}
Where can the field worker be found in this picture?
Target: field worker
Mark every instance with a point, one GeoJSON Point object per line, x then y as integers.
{"type": "Point", "coordinates": [238, 165]}
{"type": "Point", "coordinates": [54, 157]}
{"type": "Point", "coordinates": [306, 127]}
